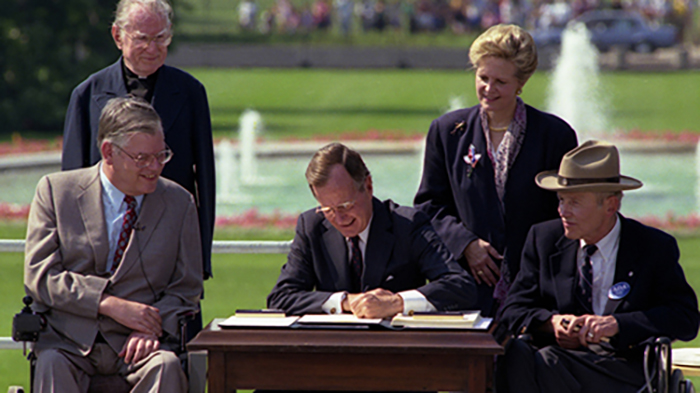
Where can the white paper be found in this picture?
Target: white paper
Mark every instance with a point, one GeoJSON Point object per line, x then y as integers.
{"type": "Point", "coordinates": [258, 321]}
{"type": "Point", "coordinates": [338, 319]}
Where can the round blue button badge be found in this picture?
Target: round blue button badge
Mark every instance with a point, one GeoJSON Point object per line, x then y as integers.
{"type": "Point", "coordinates": [619, 290]}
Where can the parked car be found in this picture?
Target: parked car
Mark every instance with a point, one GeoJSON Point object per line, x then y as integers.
{"type": "Point", "coordinates": [614, 28]}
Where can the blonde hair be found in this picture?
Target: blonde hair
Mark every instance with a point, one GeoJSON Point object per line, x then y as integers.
{"type": "Point", "coordinates": [508, 42]}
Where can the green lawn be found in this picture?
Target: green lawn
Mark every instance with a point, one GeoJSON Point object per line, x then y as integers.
{"type": "Point", "coordinates": [303, 103]}
{"type": "Point", "coordinates": [240, 281]}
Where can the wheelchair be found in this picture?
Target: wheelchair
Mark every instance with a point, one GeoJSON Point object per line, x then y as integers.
{"type": "Point", "coordinates": [659, 374]}
{"type": "Point", "coordinates": [27, 325]}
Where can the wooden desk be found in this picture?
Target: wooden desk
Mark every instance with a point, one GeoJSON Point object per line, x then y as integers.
{"type": "Point", "coordinates": [333, 359]}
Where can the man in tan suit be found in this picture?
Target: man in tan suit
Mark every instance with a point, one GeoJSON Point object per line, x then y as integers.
{"type": "Point", "coordinates": [113, 257]}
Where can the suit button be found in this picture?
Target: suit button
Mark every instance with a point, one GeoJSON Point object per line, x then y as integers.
{"type": "Point", "coordinates": [333, 310]}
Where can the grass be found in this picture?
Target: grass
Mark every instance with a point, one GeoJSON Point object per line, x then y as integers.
{"type": "Point", "coordinates": [240, 281]}
{"type": "Point", "coordinates": [303, 103]}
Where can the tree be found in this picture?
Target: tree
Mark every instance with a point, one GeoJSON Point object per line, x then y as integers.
{"type": "Point", "coordinates": [47, 47]}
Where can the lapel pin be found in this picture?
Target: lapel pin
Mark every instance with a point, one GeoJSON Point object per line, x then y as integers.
{"type": "Point", "coordinates": [619, 290]}
{"type": "Point", "coordinates": [471, 159]}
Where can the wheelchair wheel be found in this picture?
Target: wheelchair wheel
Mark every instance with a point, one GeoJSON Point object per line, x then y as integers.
{"type": "Point", "coordinates": [677, 383]}
{"type": "Point", "coordinates": [688, 387]}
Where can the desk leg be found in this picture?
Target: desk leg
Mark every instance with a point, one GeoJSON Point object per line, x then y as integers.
{"type": "Point", "coordinates": [480, 373]}
{"type": "Point", "coordinates": [216, 373]}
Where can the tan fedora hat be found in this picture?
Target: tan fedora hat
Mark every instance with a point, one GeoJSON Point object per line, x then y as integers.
{"type": "Point", "coordinates": [592, 166]}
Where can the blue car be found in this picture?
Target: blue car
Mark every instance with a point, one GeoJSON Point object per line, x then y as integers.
{"type": "Point", "coordinates": [611, 28]}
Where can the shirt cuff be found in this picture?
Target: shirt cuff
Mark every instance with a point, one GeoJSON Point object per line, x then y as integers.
{"type": "Point", "coordinates": [334, 304]}
{"type": "Point", "coordinates": [415, 301]}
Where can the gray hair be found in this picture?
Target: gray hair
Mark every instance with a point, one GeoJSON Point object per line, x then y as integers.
{"type": "Point", "coordinates": [602, 196]}
{"type": "Point", "coordinates": [319, 169]}
{"type": "Point", "coordinates": [125, 116]}
{"type": "Point", "coordinates": [158, 7]}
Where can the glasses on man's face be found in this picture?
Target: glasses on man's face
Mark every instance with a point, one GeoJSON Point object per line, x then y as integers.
{"type": "Point", "coordinates": [143, 160]}
{"type": "Point", "coordinates": [331, 211]}
{"type": "Point", "coordinates": [142, 40]}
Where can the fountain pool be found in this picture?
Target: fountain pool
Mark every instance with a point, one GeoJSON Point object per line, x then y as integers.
{"type": "Point", "coordinates": [670, 183]}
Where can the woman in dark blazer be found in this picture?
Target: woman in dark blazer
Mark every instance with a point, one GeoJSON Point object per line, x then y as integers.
{"type": "Point", "coordinates": [480, 163]}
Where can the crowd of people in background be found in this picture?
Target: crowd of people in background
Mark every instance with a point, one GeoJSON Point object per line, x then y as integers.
{"type": "Point", "coordinates": [458, 16]}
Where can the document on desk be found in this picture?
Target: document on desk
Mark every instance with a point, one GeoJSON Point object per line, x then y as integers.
{"type": "Point", "coordinates": [340, 320]}
{"type": "Point", "coordinates": [262, 318]}
{"type": "Point", "coordinates": [469, 320]}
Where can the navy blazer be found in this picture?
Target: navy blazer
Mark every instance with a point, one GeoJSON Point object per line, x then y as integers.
{"type": "Point", "coordinates": [463, 203]}
{"type": "Point", "coordinates": [402, 252]}
{"type": "Point", "coordinates": [181, 102]}
{"type": "Point", "coordinates": [659, 303]}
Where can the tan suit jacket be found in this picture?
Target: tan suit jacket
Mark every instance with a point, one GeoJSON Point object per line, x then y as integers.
{"type": "Point", "coordinates": [65, 268]}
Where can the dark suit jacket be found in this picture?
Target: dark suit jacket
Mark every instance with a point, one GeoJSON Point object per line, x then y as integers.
{"type": "Point", "coordinates": [181, 102]}
{"type": "Point", "coordinates": [402, 252]}
{"type": "Point", "coordinates": [464, 207]}
{"type": "Point", "coordinates": [659, 303]}
{"type": "Point", "coordinates": [65, 268]}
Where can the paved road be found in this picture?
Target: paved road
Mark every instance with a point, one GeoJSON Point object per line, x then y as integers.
{"type": "Point", "coordinates": [279, 56]}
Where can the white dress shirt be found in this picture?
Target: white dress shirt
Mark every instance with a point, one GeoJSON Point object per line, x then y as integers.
{"type": "Point", "coordinates": [412, 299]}
{"type": "Point", "coordinates": [604, 261]}
{"type": "Point", "coordinates": [114, 209]}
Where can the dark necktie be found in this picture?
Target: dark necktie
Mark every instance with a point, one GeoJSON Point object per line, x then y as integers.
{"type": "Point", "coordinates": [585, 282]}
{"type": "Point", "coordinates": [356, 263]}
{"type": "Point", "coordinates": [127, 227]}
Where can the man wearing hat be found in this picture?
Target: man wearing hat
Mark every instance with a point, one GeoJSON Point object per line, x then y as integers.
{"type": "Point", "coordinates": [593, 288]}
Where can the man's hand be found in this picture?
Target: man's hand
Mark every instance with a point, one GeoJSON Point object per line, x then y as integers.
{"type": "Point", "coordinates": [479, 255]}
{"type": "Point", "coordinates": [596, 328]}
{"type": "Point", "coordinates": [138, 346]}
{"type": "Point", "coordinates": [573, 331]}
{"type": "Point", "coordinates": [377, 303]}
{"type": "Point", "coordinates": [137, 316]}
{"type": "Point", "coordinates": [566, 334]}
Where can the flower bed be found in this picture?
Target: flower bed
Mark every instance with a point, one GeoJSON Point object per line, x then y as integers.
{"type": "Point", "coordinates": [253, 219]}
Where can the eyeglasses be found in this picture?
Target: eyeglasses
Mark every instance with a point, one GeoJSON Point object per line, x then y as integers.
{"type": "Point", "coordinates": [143, 160]}
{"type": "Point", "coordinates": [339, 209]}
{"type": "Point", "coordinates": [142, 40]}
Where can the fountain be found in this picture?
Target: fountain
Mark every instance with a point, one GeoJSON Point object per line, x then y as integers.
{"type": "Point", "coordinates": [574, 91]}
{"type": "Point", "coordinates": [574, 95]}
{"type": "Point", "coordinates": [457, 102]}
{"type": "Point", "coordinates": [270, 177]}
{"type": "Point", "coordinates": [250, 126]}
{"type": "Point", "coordinates": [228, 188]}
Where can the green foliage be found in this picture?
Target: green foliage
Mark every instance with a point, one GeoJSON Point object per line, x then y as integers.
{"type": "Point", "coordinates": [48, 48]}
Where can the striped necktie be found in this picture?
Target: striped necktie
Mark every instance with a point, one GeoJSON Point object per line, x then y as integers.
{"type": "Point", "coordinates": [127, 227]}
{"type": "Point", "coordinates": [585, 282]}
